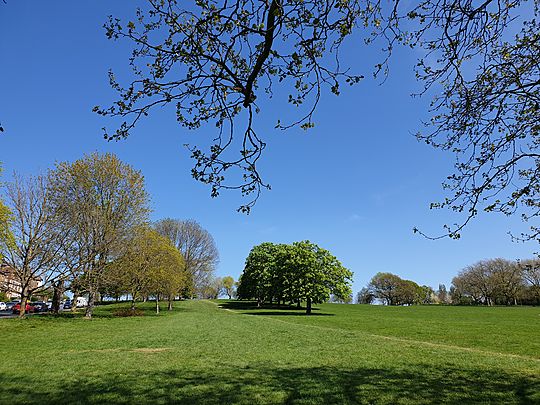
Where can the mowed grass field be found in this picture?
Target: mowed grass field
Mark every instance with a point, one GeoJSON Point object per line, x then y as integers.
{"type": "Point", "coordinates": [227, 352]}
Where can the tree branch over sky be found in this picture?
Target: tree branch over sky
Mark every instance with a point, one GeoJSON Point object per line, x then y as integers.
{"type": "Point", "coordinates": [215, 60]}
{"type": "Point", "coordinates": [480, 61]}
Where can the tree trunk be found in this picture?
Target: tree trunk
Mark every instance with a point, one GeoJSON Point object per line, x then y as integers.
{"type": "Point", "coordinates": [308, 306]}
{"type": "Point", "coordinates": [74, 301]}
{"type": "Point", "coordinates": [132, 303]}
{"type": "Point", "coordinates": [24, 301]}
{"type": "Point", "coordinates": [57, 296]}
{"type": "Point", "coordinates": [169, 305]}
{"type": "Point", "coordinates": [90, 307]}
{"type": "Point", "coordinates": [298, 304]}
{"type": "Point", "coordinates": [157, 305]}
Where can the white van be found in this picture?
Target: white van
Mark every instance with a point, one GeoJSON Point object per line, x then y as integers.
{"type": "Point", "coordinates": [81, 302]}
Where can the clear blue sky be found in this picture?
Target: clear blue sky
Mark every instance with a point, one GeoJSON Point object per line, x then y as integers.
{"type": "Point", "coordinates": [356, 184]}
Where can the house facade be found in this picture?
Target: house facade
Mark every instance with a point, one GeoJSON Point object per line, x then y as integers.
{"type": "Point", "coordinates": [9, 283]}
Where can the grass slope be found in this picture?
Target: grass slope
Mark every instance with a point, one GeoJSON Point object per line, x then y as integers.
{"type": "Point", "coordinates": [219, 353]}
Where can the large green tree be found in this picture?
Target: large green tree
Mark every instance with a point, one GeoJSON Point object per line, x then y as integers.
{"type": "Point", "coordinates": [259, 272]}
{"type": "Point", "coordinates": [228, 285]}
{"type": "Point", "coordinates": [317, 274]}
{"type": "Point", "coordinates": [299, 272]}
{"type": "Point", "coordinates": [100, 200]}
{"type": "Point", "coordinates": [385, 286]}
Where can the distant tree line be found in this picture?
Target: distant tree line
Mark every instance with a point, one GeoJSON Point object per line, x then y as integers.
{"type": "Point", "coordinates": [84, 227]}
{"type": "Point", "coordinates": [296, 273]}
{"type": "Point", "coordinates": [487, 282]}
{"type": "Point", "coordinates": [393, 290]}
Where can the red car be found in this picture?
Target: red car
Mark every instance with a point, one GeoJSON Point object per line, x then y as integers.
{"type": "Point", "coordinates": [17, 307]}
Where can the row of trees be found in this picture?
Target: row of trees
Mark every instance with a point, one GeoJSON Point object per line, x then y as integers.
{"type": "Point", "coordinates": [498, 282]}
{"type": "Point", "coordinates": [301, 272]}
{"type": "Point", "coordinates": [85, 226]}
{"type": "Point", "coordinates": [393, 290]}
{"type": "Point", "coordinates": [150, 265]}
{"type": "Point", "coordinates": [487, 282]}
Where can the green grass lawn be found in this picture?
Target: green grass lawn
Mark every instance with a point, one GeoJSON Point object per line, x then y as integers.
{"type": "Point", "coordinates": [228, 352]}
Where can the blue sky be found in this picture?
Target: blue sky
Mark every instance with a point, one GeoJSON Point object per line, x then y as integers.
{"type": "Point", "coordinates": [356, 184]}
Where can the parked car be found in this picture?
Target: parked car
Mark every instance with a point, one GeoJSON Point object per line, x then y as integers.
{"type": "Point", "coordinates": [67, 304]}
{"type": "Point", "coordinates": [11, 304]}
{"type": "Point", "coordinates": [17, 307]}
{"type": "Point", "coordinates": [40, 306]}
{"type": "Point", "coordinates": [3, 306]}
{"type": "Point", "coordinates": [49, 304]}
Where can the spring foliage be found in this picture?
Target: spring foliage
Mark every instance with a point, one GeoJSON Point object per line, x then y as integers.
{"type": "Point", "coordinates": [293, 273]}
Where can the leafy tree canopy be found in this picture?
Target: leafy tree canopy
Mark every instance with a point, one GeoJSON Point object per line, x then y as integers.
{"type": "Point", "coordinates": [299, 272]}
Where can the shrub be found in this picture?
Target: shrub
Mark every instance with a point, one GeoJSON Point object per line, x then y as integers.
{"type": "Point", "coordinates": [128, 312]}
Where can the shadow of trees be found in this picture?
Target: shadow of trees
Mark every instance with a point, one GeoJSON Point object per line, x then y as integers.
{"type": "Point", "coordinates": [111, 310]}
{"type": "Point", "coordinates": [260, 384]}
{"type": "Point", "coordinates": [269, 309]}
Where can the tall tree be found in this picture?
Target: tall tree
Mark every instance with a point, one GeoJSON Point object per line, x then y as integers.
{"type": "Point", "coordinates": [196, 245]}
{"type": "Point", "coordinates": [150, 265]}
{"type": "Point", "coordinates": [385, 286]}
{"type": "Point", "coordinates": [101, 200]}
{"type": "Point", "coordinates": [228, 285]}
{"type": "Point", "coordinates": [509, 282]}
{"type": "Point", "coordinates": [476, 281]}
{"type": "Point", "coordinates": [319, 274]}
{"type": "Point", "coordinates": [442, 294]}
{"type": "Point", "coordinates": [530, 270]}
{"type": "Point", "coordinates": [35, 248]}
{"type": "Point", "coordinates": [256, 281]}
{"type": "Point", "coordinates": [365, 296]}
{"type": "Point", "coordinates": [132, 268]}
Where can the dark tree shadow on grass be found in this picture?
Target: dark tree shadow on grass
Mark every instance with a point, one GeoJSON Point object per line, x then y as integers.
{"type": "Point", "coordinates": [113, 311]}
{"type": "Point", "coordinates": [269, 309]}
{"type": "Point", "coordinates": [259, 384]}
{"type": "Point", "coordinates": [287, 313]}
